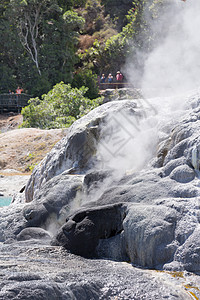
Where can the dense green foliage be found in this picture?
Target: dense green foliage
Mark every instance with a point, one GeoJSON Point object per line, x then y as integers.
{"type": "Point", "coordinates": [38, 44]}
{"type": "Point", "coordinates": [59, 108]}
{"type": "Point", "coordinates": [136, 36]}
{"type": "Point", "coordinates": [39, 40]}
{"type": "Point", "coordinates": [88, 79]}
{"type": "Point", "coordinates": [44, 42]}
{"type": "Point", "coordinates": [118, 10]}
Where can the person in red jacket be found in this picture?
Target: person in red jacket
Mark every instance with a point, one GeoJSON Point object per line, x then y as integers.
{"type": "Point", "coordinates": [19, 90]}
{"type": "Point", "coordinates": [119, 76]}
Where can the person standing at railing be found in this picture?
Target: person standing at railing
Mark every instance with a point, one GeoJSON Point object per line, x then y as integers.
{"type": "Point", "coordinates": [110, 78]}
{"type": "Point", "coordinates": [119, 78]}
{"type": "Point", "coordinates": [19, 90]}
{"type": "Point", "coordinates": [103, 78]}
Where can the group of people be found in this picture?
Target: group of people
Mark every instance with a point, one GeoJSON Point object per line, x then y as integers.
{"type": "Point", "coordinates": [18, 91]}
{"type": "Point", "coordinates": [111, 79]}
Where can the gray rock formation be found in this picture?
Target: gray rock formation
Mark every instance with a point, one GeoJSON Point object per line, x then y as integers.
{"type": "Point", "coordinates": [148, 216]}
{"type": "Point", "coordinates": [54, 201]}
{"type": "Point", "coordinates": [75, 153]}
{"type": "Point", "coordinates": [82, 232]}
{"type": "Point", "coordinates": [33, 233]}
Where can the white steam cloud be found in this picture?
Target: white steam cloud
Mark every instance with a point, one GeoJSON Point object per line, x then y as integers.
{"type": "Point", "coordinates": [127, 141]}
{"type": "Point", "coordinates": [171, 71]}
{"type": "Point", "coordinates": [174, 66]}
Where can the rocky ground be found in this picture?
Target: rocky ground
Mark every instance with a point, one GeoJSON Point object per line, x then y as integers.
{"type": "Point", "coordinates": [20, 150]}
{"type": "Point", "coordinates": [102, 234]}
{"type": "Point", "coordinates": [33, 271]}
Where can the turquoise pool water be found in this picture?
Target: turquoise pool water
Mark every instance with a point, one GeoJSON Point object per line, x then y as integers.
{"type": "Point", "coordinates": [5, 201]}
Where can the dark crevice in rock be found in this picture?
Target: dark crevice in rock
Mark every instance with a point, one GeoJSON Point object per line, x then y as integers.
{"type": "Point", "coordinates": [82, 231]}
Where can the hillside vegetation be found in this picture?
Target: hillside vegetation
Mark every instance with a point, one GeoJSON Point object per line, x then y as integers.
{"type": "Point", "coordinates": [46, 42]}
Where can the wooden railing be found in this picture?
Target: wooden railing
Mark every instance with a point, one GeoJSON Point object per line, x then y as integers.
{"type": "Point", "coordinates": [13, 102]}
{"type": "Point", "coordinates": [114, 85]}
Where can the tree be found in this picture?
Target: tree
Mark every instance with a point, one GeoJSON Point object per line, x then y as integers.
{"type": "Point", "coordinates": [8, 54]}
{"type": "Point", "coordinates": [28, 16]}
{"type": "Point", "coordinates": [48, 34]}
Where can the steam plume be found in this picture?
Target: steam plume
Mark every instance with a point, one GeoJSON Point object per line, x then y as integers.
{"type": "Point", "coordinates": [173, 67]}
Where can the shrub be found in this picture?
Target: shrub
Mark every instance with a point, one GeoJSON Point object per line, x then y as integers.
{"type": "Point", "coordinates": [59, 108]}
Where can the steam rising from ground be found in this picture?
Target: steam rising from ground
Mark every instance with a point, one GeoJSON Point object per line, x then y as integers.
{"type": "Point", "coordinates": [126, 140]}
{"type": "Point", "coordinates": [171, 70]}
{"type": "Point", "coordinates": [130, 141]}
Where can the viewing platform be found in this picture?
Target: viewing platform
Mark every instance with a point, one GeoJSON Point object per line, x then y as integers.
{"type": "Point", "coordinates": [114, 85]}
{"type": "Point", "coordinates": [13, 102]}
